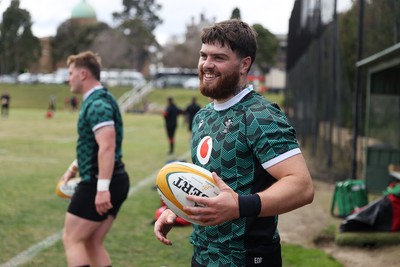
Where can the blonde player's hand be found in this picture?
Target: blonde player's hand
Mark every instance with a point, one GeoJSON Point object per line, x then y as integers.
{"type": "Point", "coordinates": [70, 172]}
{"type": "Point", "coordinates": [66, 176]}
{"type": "Point", "coordinates": [103, 202]}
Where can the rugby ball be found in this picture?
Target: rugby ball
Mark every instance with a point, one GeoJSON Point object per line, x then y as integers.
{"type": "Point", "coordinates": [176, 180]}
{"type": "Point", "coordinates": [66, 190]}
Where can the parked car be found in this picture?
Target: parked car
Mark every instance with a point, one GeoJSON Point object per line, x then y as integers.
{"type": "Point", "coordinates": [27, 77]}
{"type": "Point", "coordinates": [192, 83]}
{"type": "Point", "coordinates": [7, 78]}
{"type": "Point", "coordinates": [51, 78]}
{"type": "Point", "coordinates": [132, 78]}
{"type": "Point", "coordinates": [171, 81]}
{"type": "Point", "coordinates": [116, 77]}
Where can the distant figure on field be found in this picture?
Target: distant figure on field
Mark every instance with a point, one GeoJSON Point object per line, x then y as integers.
{"type": "Point", "coordinates": [5, 104]}
{"type": "Point", "coordinates": [74, 103]}
{"type": "Point", "coordinates": [190, 111]}
{"type": "Point", "coordinates": [171, 122]}
{"type": "Point", "coordinates": [52, 103]}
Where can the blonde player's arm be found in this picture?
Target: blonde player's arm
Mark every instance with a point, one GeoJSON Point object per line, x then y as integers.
{"type": "Point", "coordinates": [106, 140]}
{"type": "Point", "coordinates": [71, 171]}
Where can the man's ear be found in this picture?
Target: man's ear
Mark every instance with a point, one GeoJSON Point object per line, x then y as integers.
{"type": "Point", "coordinates": [245, 65]}
{"type": "Point", "coordinates": [83, 73]}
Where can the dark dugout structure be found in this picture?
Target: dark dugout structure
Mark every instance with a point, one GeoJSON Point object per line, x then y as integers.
{"type": "Point", "coordinates": [343, 97]}
{"type": "Point", "coordinates": [382, 116]}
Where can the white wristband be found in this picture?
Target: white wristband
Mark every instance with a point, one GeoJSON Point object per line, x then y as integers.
{"type": "Point", "coordinates": [103, 184]}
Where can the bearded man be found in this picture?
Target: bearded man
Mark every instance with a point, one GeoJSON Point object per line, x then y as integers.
{"type": "Point", "coordinates": [251, 149]}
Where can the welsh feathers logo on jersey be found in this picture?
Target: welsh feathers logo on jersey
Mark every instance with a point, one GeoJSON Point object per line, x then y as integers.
{"type": "Point", "coordinates": [204, 149]}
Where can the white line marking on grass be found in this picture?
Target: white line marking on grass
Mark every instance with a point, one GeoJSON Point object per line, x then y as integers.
{"type": "Point", "coordinates": [151, 177]}
{"type": "Point", "coordinates": [31, 252]}
{"type": "Point", "coordinates": [27, 159]}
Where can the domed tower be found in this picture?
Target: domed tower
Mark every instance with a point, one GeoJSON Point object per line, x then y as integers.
{"type": "Point", "coordinates": [83, 13]}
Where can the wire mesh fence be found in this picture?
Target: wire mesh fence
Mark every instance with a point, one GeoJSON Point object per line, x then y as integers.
{"type": "Point", "coordinates": [321, 78]}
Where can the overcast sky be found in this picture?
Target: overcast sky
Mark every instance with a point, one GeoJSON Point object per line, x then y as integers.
{"type": "Point", "coordinates": [274, 15]}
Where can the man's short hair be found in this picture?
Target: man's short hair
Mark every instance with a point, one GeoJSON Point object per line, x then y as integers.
{"type": "Point", "coordinates": [235, 34]}
{"type": "Point", "coordinates": [88, 60]}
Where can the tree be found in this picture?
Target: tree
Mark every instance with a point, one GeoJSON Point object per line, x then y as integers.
{"type": "Point", "coordinates": [267, 49]}
{"type": "Point", "coordinates": [137, 22]}
{"type": "Point", "coordinates": [182, 55]}
{"type": "Point", "coordinates": [186, 54]}
{"type": "Point", "coordinates": [379, 27]}
{"type": "Point", "coordinates": [74, 38]}
{"type": "Point", "coordinates": [380, 15]}
{"type": "Point", "coordinates": [139, 39]}
{"type": "Point", "coordinates": [18, 46]}
{"type": "Point", "coordinates": [236, 14]}
{"type": "Point", "coordinates": [144, 10]}
{"type": "Point", "coordinates": [348, 39]}
{"type": "Point", "coordinates": [113, 48]}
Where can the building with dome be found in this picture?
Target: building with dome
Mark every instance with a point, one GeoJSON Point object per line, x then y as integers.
{"type": "Point", "coordinates": [83, 13]}
{"type": "Point", "coordinates": [81, 31]}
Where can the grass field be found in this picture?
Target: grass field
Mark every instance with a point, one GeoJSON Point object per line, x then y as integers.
{"type": "Point", "coordinates": [34, 153]}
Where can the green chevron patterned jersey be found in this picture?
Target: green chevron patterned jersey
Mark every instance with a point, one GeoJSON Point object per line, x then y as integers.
{"type": "Point", "coordinates": [98, 109]}
{"type": "Point", "coordinates": [239, 140]}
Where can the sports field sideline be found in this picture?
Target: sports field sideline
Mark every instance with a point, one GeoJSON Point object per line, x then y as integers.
{"type": "Point", "coordinates": [35, 151]}
{"type": "Point", "coordinates": [33, 251]}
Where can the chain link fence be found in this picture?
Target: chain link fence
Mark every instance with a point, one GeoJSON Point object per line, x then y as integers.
{"type": "Point", "coordinates": [321, 70]}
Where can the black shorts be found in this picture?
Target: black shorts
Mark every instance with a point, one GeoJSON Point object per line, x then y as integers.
{"type": "Point", "coordinates": [171, 131]}
{"type": "Point", "coordinates": [82, 202]}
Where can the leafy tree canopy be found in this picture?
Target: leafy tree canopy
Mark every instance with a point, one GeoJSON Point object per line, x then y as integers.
{"type": "Point", "coordinates": [267, 49]}
{"type": "Point", "coordinates": [145, 10]}
{"type": "Point", "coordinates": [72, 39]}
{"type": "Point", "coordinates": [137, 22]}
{"type": "Point", "coordinates": [18, 45]}
{"type": "Point", "coordinates": [236, 14]}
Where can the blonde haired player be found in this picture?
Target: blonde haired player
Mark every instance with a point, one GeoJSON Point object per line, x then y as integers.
{"type": "Point", "coordinates": [104, 182]}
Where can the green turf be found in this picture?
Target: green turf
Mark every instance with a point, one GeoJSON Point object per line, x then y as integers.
{"type": "Point", "coordinates": [367, 239]}
{"type": "Point", "coordinates": [34, 153]}
{"type": "Point", "coordinates": [37, 96]}
{"type": "Point", "coordinates": [297, 256]}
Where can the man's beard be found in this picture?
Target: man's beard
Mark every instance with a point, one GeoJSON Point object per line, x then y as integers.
{"type": "Point", "coordinates": [226, 86]}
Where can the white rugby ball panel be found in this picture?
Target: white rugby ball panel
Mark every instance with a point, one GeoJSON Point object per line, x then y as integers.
{"type": "Point", "coordinates": [66, 190]}
{"type": "Point", "coordinates": [178, 179]}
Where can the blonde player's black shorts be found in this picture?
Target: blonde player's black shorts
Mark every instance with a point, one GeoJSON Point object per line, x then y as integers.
{"type": "Point", "coordinates": [82, 202]}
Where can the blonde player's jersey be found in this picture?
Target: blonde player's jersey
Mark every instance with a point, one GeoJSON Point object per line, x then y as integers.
{"type": "Point", "coordinates": [239, 140]}
{"type": "Point", "coordinates": [98, 109]}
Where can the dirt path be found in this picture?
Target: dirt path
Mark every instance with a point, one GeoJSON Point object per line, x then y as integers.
{"type": "Point", "coordinates": [302, 226]}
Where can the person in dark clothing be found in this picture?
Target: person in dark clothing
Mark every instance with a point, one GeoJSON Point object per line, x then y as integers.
{"type": "Point", "coordinates": [5, 104]}
{"type": "Point", "coordinates": [171, 114]}
{"type": "Point", "coordinates": [74, 103]}
{"type": "Point", "coordinates": [190, 111]}
{"type": "Point", "coordinates": [52, 103]}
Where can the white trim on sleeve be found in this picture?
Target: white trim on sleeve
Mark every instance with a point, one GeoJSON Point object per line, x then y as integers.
{"type": "Point", "coordinates": [282, 157]}
{"type": "Point", "coordinates": [100, 125]}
